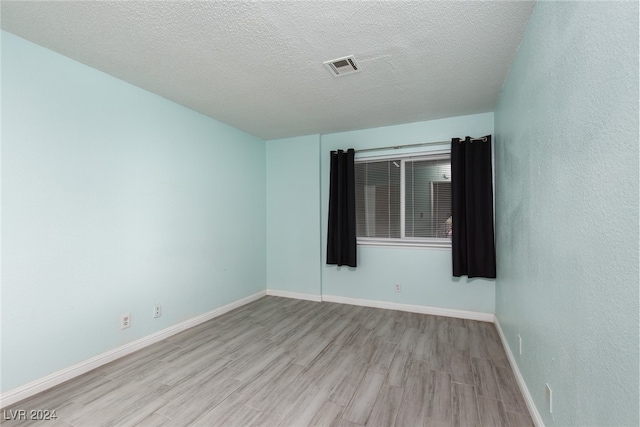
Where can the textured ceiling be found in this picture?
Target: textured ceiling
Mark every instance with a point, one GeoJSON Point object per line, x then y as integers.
{"type": "Point", "coordinates": [258, 65]}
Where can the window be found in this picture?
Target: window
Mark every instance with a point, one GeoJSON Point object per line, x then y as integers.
{"type": "Point", "coordinates": [404, 200]}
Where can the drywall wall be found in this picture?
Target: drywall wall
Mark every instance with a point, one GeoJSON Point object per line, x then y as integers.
{"type": "Point", "coordinates": [115, 199]}
{"type": "Point", "coordinates": [293, 215]}
{"type": "Point", "coordinates": [567, 211]}
{"type": "Point", "coordinates": [424, 273]}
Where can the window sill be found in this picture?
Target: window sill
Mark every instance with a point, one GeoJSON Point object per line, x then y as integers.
{"type": "Point", "coordinates": [405, 243]}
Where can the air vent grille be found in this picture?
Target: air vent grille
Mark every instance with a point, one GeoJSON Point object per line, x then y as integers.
{"type": "Point", "coordinates": [342, 66]}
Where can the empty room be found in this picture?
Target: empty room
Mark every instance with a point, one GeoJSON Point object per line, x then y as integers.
{"type": "Point", "coordinates": [319, 213]}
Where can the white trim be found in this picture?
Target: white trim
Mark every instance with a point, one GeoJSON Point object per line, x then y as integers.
{"type": "Point", "coordinates": [533, 410]}
{"type": "Point", "coordinates": [294, 295]}
{"type": "Point", "coordinates": [51, 380]}
{"type": "Point", "coordinates": [403, 198]}
{"type": "Point", "coordinates": [403, 240]}
{"type": "Point", "coordinates": [407, 242]}
{"type": "Point", "coordinates": [417, 155]}
{"type": "Point", "coordinates": [422, 309]}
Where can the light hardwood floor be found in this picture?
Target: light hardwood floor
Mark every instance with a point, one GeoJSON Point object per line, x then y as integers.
{"type": "Point", "coordinates": [285, 362]}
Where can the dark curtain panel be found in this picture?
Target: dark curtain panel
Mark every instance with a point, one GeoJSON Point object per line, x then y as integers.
{"type": "Point", "coordinates": [473, 246]}
{"type": "Point", "coordinates": [341, 235]}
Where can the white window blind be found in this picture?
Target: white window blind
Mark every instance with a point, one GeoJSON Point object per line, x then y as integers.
{"type": "Point", "coordinates": [378, 199]}
{"type": "Point", "coordinates": [404, 200]}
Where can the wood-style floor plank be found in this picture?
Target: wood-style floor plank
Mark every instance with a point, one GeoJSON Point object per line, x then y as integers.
{"type": "Point", "coordinates": [399, 369]}
{"type": "Point", "coordinates": [386, 407]}
{"type": "Point", "coordinates": [511, 398]}
{"type": "Point", "coordinates": [306, 406]}
{"type": "Point", "coordinates": [492, 413]}
{"type": "Point", "coordinates": [268, 395]}
{"type": "Point", "coordinates": [408, 339]}
{"type": "Point", "coordinates": [155, 420]}
{"type": "Point", "coordinates": [344, 390]}
{"type": "Point", "coordinates": [364, 398]}
{"type": "Point", "coordinates": [465, 406]}
{"type": "Point", "coordinates": [517, 419]}
{"type": "Point", "coordinates": [484, 378]}
{"type": "Point", "coordinates": [266, 379]}
{"type": "Point", "coordinates": [460, 364]}
{"type": "Point", "coordinates": [439, 397]}
{"type": "Point", "coordinates": [328, 415]}
{"type": "Point", "coordinates": [410, 413]}
{"type": "Point", "coordinates": [289, 398]}
{"type": "Point", "coordinates": [233, 404]}
{"type": "Point", "coordinates": [285, 362]}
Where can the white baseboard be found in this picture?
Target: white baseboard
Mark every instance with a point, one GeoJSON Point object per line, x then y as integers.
{"type": "Point", "coordinates": [44, 383]}
{"type": "Point", "coordinates": [533, 410]}
{"type": "Point", "coordinates": [294, 295]}
{"type": "Point", "coordinates": [422, 309]}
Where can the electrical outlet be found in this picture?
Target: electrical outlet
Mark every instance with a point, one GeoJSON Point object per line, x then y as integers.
{"type": "Point", "coordinates": [519, 344]}
{"type": "Point", "coordinates": [549, 396]}
{"type": "Point", "coordinates": [397, 287]}
{"type": "Point", "coordinates": [157, 311]}
{"type": "Point", "coordinates": [125, 321]}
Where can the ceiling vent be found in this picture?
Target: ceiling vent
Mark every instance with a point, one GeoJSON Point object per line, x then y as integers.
{"type": "Point", "coordinates": [343, 66]}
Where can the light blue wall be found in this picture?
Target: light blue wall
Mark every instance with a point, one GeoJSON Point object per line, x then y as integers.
{"type": "Point", "coordinates": [425, 274]}
{"type": "Point", "coordinates": [567, 211]}
{"type": "Point", "coordinates": [293, 215]}
{"type": "Point", "coordinates": [115, 199]}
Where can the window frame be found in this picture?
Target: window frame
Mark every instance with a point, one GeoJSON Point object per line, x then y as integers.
{"type": "Point", "coordinates": [403, 240]}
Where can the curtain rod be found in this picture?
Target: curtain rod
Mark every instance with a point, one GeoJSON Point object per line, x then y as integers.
{"type": "Point", "coordinates": [422, 144]}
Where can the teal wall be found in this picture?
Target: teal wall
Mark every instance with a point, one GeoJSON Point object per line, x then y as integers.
{"type": "Point", "coordinates": [293, 215]}
{"type": "Point", "coordinates": [297, 206]}
{"type": "Point", "coordinates": [425, 273]}
{"type": "Point", "coordinates": [114, 199]}
{"type": "Point", "coordinates": [567, 211]}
